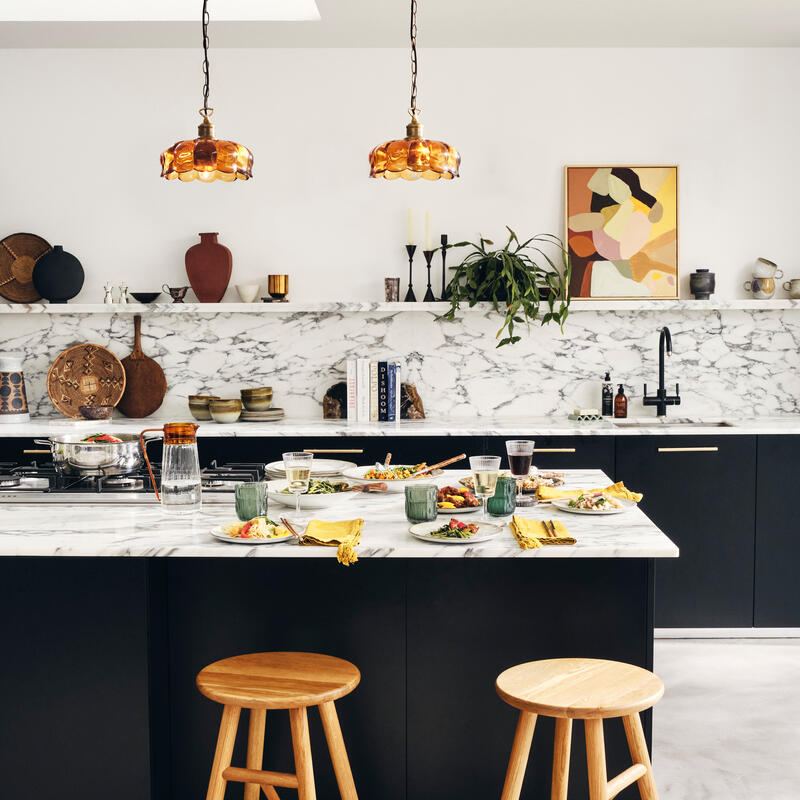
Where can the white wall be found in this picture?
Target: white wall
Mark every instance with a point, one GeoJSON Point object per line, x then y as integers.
{"type": "Point", "coordinates": [82, 132]}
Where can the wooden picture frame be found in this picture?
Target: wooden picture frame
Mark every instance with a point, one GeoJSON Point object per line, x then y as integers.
{"type": "Point", "coordinates": [621, 231]}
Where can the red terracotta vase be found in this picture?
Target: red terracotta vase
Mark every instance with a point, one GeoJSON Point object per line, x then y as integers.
{"type": "Point", "coordinates": [209, 266]}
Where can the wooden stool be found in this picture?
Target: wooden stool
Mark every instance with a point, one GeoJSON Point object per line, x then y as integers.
{"type": "Point", "coordinates": [588, 689]}
{"type": "Point", "coordinates": [293, 681]}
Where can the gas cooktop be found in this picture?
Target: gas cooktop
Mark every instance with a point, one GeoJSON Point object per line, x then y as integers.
{"type": "Point", "coordinates": [43, 483]}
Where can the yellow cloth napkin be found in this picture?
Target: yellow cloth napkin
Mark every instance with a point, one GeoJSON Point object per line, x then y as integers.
{"type": "Point", "coordinates": [532, 533]}
{"type": "Point", "coordinates": [346, 535]}
{"type": "Point", "coordinates": [615, 490]}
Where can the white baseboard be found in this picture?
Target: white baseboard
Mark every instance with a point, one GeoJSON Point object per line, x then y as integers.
{"type": "Point", "coordinates": [727, 633]}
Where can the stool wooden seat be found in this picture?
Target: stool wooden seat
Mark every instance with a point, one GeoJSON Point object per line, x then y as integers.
{"type": "Point", "coordinates": [591, 690]}
{"type": "Point", "coordinates": [293, 681]}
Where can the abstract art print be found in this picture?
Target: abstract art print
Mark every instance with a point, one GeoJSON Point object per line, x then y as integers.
{"type": "Point", "coordinates": [622, 231]}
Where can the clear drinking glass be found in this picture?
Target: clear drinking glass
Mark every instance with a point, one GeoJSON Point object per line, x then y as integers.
{"type": "Point", "coordinates": [298, 474]}
{"type": "Point", "coordinates": [485, 470]}
{"type": "Point", "coordinates": [251, 500]}
{"type": "Point", "coordinates": [520, 454]}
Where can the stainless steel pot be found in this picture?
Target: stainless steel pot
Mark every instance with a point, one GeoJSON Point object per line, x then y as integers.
{"type": "Point", "coordinates": [75, 457]}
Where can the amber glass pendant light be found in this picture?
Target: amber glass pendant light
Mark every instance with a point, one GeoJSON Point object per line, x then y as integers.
{"type": "Point", "coordinates": [414, 157]}
{"type": "Point", "coordinates": [206, 158]}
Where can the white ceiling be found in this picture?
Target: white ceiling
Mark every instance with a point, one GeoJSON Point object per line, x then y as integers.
{"type": "Point", "coordinates": [444, 23]}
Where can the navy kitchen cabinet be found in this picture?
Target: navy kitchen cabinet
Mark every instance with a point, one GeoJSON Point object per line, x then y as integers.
{"type": "Point", "coordinates": [562, 452]}
{"type": "Point", "coordinates": [777, 589]}
{"type": "Point", "coordinates": [700, 490]}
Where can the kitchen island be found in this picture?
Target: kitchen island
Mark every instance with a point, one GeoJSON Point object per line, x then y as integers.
{"type": "Point", "coordinates": [111, 612]}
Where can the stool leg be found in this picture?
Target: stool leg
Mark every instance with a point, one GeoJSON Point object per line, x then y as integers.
{"type": "Point", "coordinates": [520, 751]}
{"type": "Point", "coordinates": [561, 749]}
{"type": "Point", "coordinates": [302, 754]}
{"type": "Point", "coordinates": [596, 758]}
{"type": "Point", "coordinates": [255, 749]}
{"type": "Point", "coordinates": [638, 747]}
{"type": "Point", "coordinates": [341, 764]}
{"type": "Point", "coordinates": [223, 753]}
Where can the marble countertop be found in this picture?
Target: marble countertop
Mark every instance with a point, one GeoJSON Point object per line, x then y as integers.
{"type": "Point", "coordinates": [144, 531]}
{"type": "Point", "coordinates": [674, 425]}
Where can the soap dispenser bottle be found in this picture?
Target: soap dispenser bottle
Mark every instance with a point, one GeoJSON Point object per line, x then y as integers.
{"type": "Point", "coordinates": [621, 404]}
{"type": "Point", "coordinates": [608, 396]}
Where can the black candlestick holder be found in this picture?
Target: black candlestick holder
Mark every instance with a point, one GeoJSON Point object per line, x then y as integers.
{"type": "Point", "coordinates": [444, 266]}
{"type": "Point", "coordinates": [410, 296]}
{"type": "Point", "coordinates": [429, 295]}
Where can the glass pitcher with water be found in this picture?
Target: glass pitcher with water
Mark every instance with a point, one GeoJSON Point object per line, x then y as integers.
{"type": "Point", "coordinates": [181, 487]}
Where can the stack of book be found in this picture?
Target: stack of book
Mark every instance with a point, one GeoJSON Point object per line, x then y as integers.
{"type": "Point", "coordinates": [373, 390]}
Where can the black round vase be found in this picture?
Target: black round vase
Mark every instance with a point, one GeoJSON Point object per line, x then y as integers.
{"type": "Point", "coordinates": [702, 284]}
{"type": "Point", "coordinates": [58, 275]}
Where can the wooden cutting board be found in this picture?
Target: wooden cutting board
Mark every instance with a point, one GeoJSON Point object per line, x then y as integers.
{"type": "Point", "coordinates": [145, 384]}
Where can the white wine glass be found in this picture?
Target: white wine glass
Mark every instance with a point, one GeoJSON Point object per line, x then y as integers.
{"type": "Point", "coordinates": [485, 470]}
{"type": "Point", "coordinates": [520, 455]}
{"type": "Point", "coordinates": [298, 474]}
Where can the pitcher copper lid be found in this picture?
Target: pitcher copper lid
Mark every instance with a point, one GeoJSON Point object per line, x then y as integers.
{"type": "Point", "coordinates": [180, 433]}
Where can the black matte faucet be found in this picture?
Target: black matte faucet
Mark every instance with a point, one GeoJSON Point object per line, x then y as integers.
{"type": "Point", "coordinates": [661, 399]}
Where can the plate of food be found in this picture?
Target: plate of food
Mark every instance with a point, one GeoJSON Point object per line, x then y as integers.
{"type": "Point", "coordinates": [457, 500]}
{"type": "Point", "coordinates": [527, 485]}
{"type": "Point", "coordinates": [455, 532]}
{"type": "Point", "coordinates": [594, 503]}
{"type": "Point", "coordinates": [259, 530]}
{"type": "Point", "coordinates": [320, 468]}
{"type": "Point", "coordinates": [322, 493]}
{"type": "Point", "coordinates": [396, 477]}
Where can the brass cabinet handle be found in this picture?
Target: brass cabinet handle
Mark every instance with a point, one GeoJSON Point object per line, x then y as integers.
{"type": "Point", "coordinates": [309, 450]}
{"type": "Point", "coordinates": [688, 449]}
{"type": "Point", "coordinates": [553, 449]}
{"type": "Point", "coordinates": [36, 452]}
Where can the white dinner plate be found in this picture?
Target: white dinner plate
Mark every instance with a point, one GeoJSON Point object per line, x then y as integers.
{"type": "Point", "coordinates": [422, 530]}
{"type": "Point", "coordinates": [218, 533]}
{"type": "Point", "coordinates": [320, 468]}
{"type": "Point", "coordinates": [398, 485]}
{"type": "Point", "coordinates": [307, 501]}
{"type": "Point", "coordinates": [563, 505]}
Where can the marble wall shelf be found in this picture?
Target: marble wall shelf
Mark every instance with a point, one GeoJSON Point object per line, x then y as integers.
{"type": "Point", "coordinates": [357, 307]}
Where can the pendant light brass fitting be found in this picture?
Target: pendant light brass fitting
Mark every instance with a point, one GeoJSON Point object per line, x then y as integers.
{"type": "Point", "coordinates": [205, 130]}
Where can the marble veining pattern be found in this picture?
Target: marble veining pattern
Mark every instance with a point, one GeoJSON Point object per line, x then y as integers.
{"type": "Point", "coordinates": [145, 531]}
{"type": "Point", "coordinates": [728, 362]}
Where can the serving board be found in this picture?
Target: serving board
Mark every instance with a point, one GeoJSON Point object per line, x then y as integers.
{"type": "Point", "coordinates": [145, 383]}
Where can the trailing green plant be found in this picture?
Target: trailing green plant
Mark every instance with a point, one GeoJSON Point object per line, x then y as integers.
{"type": "Point", "coordinates": [518, 279]}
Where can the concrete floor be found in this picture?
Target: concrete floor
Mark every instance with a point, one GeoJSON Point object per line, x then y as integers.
{"type": "Point", "coordinates": [728, 727]}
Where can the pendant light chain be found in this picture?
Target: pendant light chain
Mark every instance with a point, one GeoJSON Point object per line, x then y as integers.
{"type": "Point", "coordinates": [414, 110]}
{"type": "Point", "coordinates": [206, 20]}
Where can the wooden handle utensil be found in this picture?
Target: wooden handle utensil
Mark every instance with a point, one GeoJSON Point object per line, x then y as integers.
{"type": "Point", "coordinates": [363, 487]}
{"type": "Point", "coordinates": [288, 525]}
{"type": "Point", "coordinates": [444, 463]}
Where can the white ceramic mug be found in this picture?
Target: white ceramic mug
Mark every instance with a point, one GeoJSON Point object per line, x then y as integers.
{"type": "Point", "coordinates": [765, 268]}
{"type": "Point", "coordinates": [793, 287]}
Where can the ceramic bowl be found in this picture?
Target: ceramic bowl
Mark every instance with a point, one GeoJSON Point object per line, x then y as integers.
{"type": "Point", "coordinates": [96, 412]}
{"type": "Point", "coordinates": [248, 292]}
{"type": "Point", "coordinates": [145, 297]}
{"type": "Point", "coordinates": [225, 410]}
{"type": "Point", "coordinates": [257, 399]}
{"type": "Point", "coordinates": [198, 406]}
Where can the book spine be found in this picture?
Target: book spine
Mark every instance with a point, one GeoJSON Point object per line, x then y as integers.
{"type": "Point", "coordinates": [352, 413]}
{"type": "Point", "coordinates": [383, 392]}
{"type": "Point", "coordinates": [362, 390]}
{"type": "Point", "coordinates": [391, 392]}
{"type": "Point", "coordinates": [373, 391]}
{"type": "Point", "coordinates": [398, 384]}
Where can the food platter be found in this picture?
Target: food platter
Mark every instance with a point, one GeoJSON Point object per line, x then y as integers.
{"type": "Point", "coordinates": [220, 534]}
{"type": "Point", "coordinates": [423, 530]}
{"type": "Point", "coordinates": [563, 505]}
{"type": "Point", "coordinates": [307, 501]}
{"type": "Point", "coordinates": [398, 484]}
{"type": "Point", "coordinates": [320, 468]}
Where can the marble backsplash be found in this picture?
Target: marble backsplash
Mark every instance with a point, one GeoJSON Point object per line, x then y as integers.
{"type": "Point", "coordinates": [728, 362]}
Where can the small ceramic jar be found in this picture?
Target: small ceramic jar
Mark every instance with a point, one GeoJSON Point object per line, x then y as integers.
{"type": "Point", "coordinates": [225, 410]}
{"type": "Point", "coordinates": [702, 284]}
{"type": "Point", "coordinates": [198, 406]}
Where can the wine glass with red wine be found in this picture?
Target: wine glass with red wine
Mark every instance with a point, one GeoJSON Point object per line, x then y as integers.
{"type": "Point", "coordinates": [520, 454]}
